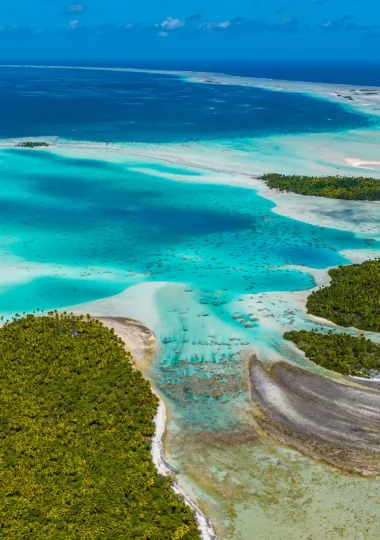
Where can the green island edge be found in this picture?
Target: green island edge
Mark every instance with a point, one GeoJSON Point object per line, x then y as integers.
{"type": "Point", "coordinates": [351, 300]}
{"type": "Point", "coordinates": [76, 424]}
{"type": "Point", "coordinates": [104, 448]}
{"type": "Point", "coordinates": [356, 188]}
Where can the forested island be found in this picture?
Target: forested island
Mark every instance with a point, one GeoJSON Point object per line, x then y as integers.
{"type": "Point", "coordinates": [333, 187]}
{"type": "Point", "coordinates": [32, 144]}
{"type": "Point", "coordinates": [342, 353]}
{"type": "Point", "coordinates": [351, 300]}
{"type": "Point", "coordinates": [76, 423]}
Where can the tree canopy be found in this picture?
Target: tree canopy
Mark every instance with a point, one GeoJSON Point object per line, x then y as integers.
{"type": "Point", "coordinates": [352, 298]}
{"type": "Point", "coordinates": [333, 187]}
{"type": "Point", "coordinates": [76, 423]}
{"type": "Point", "coordinates": [32, 144]}
{"type": "Point", "coordinates": [342, 353]}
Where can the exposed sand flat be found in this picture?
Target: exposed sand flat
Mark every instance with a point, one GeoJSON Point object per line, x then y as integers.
{"type": "Point", "coordinates": [363, 164]}
{"type": "Point", "coordinates": [242, 478]}
{"type": "Point", "coordinates": [140, 341]}
{"type": "Point", "coordinates": [365, 98]}
{"type": "Point", "coordinates": [324, 419]}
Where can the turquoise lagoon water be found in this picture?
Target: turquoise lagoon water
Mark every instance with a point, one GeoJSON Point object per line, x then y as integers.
{"type": "Point", "coordinates": [97, 217]}
{"type": "Point", "coordinates": [74, 230]}
{"type": "Point", "coordinates": [77, 230]}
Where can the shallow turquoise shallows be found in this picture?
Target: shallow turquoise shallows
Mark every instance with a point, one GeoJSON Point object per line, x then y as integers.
{"type": "Point", "coordinates": [96, 217]}
{"type": "Point", "coordinates": [75, 230]}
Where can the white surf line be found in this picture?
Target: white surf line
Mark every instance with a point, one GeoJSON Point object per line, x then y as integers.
{"type": "Point", "coordinates": [160, 422]}
{"type": "Point", "coordinates": [212, 76]}
{"type": "Point", "coordinates": [204, 523]}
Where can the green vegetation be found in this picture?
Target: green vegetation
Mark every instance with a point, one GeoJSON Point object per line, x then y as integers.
{"type": "Point", "coordinates": [332, 187]}
{"type": "Point", "coordinates": [76, 422]}
{"type": "Point", "coordinates": [352, 298]}
{"type": "Point", "coordinates": [32, 144]}
{"type": "Point", "coordinates": [343, 353]}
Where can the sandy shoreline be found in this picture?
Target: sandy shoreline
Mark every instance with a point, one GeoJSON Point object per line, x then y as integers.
{"type": "Point", "coordinates": [353, 152]}
{"type": "Point", "coordinates": [142, 343]}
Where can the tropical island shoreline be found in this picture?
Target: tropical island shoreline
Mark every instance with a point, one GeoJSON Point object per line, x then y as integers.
{"type": "Point", "coordinates": [333, 421]}
{"type": "Point", "coordinates": [258, 376]}
{"type": "Point", "coordinates": [69, 434]}
{"type": "Point", "coordinates": [143, 345]}
{"type": "Point", "coordinates": [332, 415]}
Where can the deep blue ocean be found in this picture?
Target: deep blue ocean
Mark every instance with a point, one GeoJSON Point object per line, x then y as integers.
{"type": "Point", "coordinates": [116, 106]}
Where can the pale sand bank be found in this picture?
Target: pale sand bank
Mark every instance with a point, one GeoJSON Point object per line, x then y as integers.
{"type": "Point", "coordinates": [370, 165]}
{"type": "Point", "coordinates": [225, 164]}
{"type": "Point", "coordinates": [210, 463]}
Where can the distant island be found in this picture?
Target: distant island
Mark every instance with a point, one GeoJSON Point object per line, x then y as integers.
{"type": "Point", "coordinates": [77, 421]}
{"type": "Point", "coordinates": [32, 144]}
{"type": "Point", "coordinates": [357, 188]}
{"type": "Point", "coordinates": [352, 300]}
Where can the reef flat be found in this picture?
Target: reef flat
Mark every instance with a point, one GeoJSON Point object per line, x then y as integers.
{"type": "Point", "coordinates": [327, 420]}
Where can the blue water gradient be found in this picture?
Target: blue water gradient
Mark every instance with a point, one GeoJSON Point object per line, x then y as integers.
{"type": "Point", "coordinates": [142, 107]}
{"type": "Point", "coordinates": [83, 229]}
{"type": "Point", "coordinates": [92, 214]}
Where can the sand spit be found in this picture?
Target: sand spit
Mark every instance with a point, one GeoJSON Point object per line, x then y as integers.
{"type": "Point", "coordinates": [365, 98]}
{"type": "Point", "coordinates": [323, 419]}
{"type": "Point", "coordinates": [142, 343]}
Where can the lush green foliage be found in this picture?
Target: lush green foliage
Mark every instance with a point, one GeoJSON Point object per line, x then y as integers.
{"type": "Point", "coordinates": [352, 298]}
{"type": "Point", "coordinates": [343, 353]}
{"type": "Point", "coordinates": [76, 422]}
{"type": "Point", "coordinates": [332, 187]}
{"type": "Point", "coordinates": [32, 144]}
